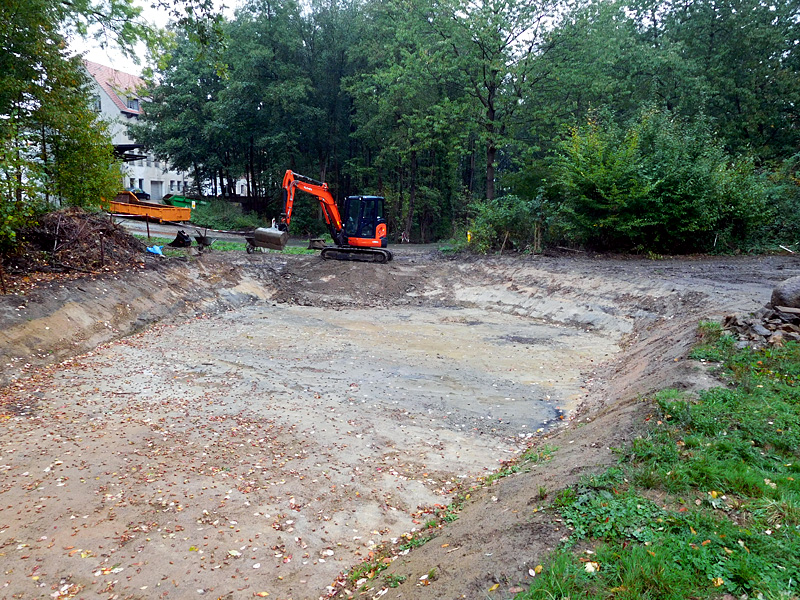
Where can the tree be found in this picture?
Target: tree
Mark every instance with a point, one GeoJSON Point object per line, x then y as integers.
{"type": "Point", "coordinates": [497, 46]}
{"type": "Point", "coordinates": [748, 53]}
{"type": "Point", "coordinates": [53, 146]}
{"type": "Point", "coordinates": [663, 184]}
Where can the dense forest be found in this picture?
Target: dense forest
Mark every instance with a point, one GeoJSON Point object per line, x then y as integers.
{"type": "Point", "coordinates": [628, 125]}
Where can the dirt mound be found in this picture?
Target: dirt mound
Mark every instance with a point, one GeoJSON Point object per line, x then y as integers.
{"type": "Point", "coordinates": [70, 243]}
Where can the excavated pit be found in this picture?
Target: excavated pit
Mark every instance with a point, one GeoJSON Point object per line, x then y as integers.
{"type": "Point", "coordinates": [270, 446]}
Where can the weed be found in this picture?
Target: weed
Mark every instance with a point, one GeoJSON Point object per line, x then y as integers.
{"type": "Point", "coordinates": [709, 332]}
{"type": "Point", "coordinates": [565, 498]}
{"type": "Point", "coordinates": [449, 517]}
{"type": "Point", "coordinates": [537, 455]}
{"type": "Point", "coordinates": [367, 570]}
{"type": "Point", "coordinates": [714, 351]}
{"type": "Point", "coordinates": [542, 492]}
{"type": "Point", "coordinates": [393, 580]}
{"type": "Point", "coordinates": [433, 574]}
{"type": "Point", "coordinates": [416, 542]}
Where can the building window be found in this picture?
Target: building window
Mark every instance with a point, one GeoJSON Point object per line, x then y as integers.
{"type": "Point", "coordinates": [158, 163]}
{"type": "Point", "coordinates": [171, 185]}
{"type": "Point", "coordinates": [131, 182]}
{"type": "Point", "coordinates": [141, 184]}
{"type": "Point", "coordinates": [96, 104]}
{"type": "Point", "coordinates": [133, 103]}
{"type": "Point", "coordinates": [149, 160]}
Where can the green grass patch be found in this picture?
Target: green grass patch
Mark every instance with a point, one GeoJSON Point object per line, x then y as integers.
{"type": "Point", "coordinates": [218, 245]}
{"type": "Point", "coordinates": [522, 463]}
{"type": "Point", "coordinates": [706, 503]}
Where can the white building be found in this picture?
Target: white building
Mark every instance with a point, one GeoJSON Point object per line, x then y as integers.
{"type": "Point", "coordinates": [116, 96]}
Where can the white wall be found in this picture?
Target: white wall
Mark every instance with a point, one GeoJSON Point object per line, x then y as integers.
{"type": "Point", "coordinates": [154, 177]}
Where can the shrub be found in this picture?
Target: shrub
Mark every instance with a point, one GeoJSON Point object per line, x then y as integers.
{"type": "Point", "coordinates": [221, 214]}
{"type": "Point", "coordinates": [509, 221]}
{"type": "Point", "coordinates": [783, 192]}
{"type": "Point", "coordinates": [661, 185]}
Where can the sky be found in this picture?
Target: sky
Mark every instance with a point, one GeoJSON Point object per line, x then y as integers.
{"type": "Point", "coordinates": [112, 57]}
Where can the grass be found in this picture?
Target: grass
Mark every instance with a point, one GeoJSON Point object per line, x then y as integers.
{"type": "Point", "coordinates": [523, 463]}
{"type": "Point", "coordinates": [218, 246]}
{"type": "Point", "coordinates": [706, 504]}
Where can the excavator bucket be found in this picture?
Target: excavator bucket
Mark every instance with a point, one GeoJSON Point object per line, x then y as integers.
{"type": "Point", "coordinates": [272, 238]}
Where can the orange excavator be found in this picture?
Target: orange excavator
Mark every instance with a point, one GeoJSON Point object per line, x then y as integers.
{"type": "Point", "coordinates": [360, 236]}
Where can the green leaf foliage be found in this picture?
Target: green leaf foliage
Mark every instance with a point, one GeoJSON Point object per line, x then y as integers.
{"type": "Point", "coordinates": [53, 148]}
{"type": "Point", "coordinates": [663, 184]}
{"type": "Point", "coordinates": [706, 503]}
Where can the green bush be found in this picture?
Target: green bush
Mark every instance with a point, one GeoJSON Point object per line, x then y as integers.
{"type": "Point", "coordinates": [783, 192]}
{"type": "Point", "coordinates": [224, 215]}
{"type": "Point", "coordinates": [509, 222]}
{"type": "Point", "coordinates": [661, 185]}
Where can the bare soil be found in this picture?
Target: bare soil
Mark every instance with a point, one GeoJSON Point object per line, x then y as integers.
{"type": "Point", "coordinates": [233, 425]}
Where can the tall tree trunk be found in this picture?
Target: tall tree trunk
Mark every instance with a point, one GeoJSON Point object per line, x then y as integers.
{"type": "Point", "coordinates": [471, 180]}
{"type": "Point", "coordinates": [46, 167]}
{"type": "Point", "coordinates": [491, 146]}
{"type": "Point", "coordinates": [491, 154]}
{"type": "Point", "coordinates": [412, 196]}
{"type": "Point", "coordinates": [252, 176]}
{"type": "Point", "coordinates": [197, 181]}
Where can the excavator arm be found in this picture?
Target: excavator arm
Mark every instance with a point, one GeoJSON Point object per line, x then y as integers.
{"type": "Point", "coordinates": [291, 183]}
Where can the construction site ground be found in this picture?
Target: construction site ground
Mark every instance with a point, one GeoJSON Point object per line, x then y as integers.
{"type": "Point", "coordinates": [236, 426]}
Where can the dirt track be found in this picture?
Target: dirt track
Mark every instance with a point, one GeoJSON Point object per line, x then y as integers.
{"type": "Point", "coordinates": [258, 423]}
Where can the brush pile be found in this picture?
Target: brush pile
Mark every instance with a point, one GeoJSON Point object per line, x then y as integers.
{"type": "Point", "coordinates": [70, 243]}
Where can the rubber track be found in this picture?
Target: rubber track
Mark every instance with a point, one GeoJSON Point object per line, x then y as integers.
{"type": "Point", "coordinates": [377, 255]}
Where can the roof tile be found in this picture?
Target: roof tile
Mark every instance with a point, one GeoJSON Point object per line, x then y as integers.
{"type": "Point", "coordinates": [115, 83]}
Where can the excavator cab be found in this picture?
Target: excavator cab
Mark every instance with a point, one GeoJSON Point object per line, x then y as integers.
{"type": "Point", "coordinates": [364, 221]}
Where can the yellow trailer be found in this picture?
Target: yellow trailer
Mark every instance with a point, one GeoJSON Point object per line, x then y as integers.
{"type": "Point", "coordinates": [126, 203]}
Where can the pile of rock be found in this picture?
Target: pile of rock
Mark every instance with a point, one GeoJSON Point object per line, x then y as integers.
{"type": "Point", "coordinates": [774, 324]}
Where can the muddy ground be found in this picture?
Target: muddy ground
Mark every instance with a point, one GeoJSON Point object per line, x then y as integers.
{"type": "Point", "coordinates": [231, 426]}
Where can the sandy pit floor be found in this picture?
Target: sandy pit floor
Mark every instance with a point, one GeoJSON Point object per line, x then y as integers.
{"type": "Point", "coordinates": [266, 449]}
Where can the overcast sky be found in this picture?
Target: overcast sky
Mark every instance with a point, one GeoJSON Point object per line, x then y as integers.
{"type": "Point", "coordinates": [111, 57]}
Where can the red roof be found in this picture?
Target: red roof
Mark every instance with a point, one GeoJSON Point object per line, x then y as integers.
{"type": "Point", "coordinates": [118, 85]}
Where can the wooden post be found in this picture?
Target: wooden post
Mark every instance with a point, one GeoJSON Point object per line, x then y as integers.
{"type": "Point", "coordinates": [102, 250]}
{"type": "Point", "coordinates": [147, 220]}
{"type": "Point", "coordinates": [3, 279]}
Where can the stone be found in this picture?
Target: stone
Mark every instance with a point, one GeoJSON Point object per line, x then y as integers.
{"type": "Point", "coordinates": [776, 339]}
{"type": "Point", "coordinates": [763, 313]}
{"type": "Point", "coordinates": [759, 329]}
{"type": "Point", "coordinates": [787, 293]}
